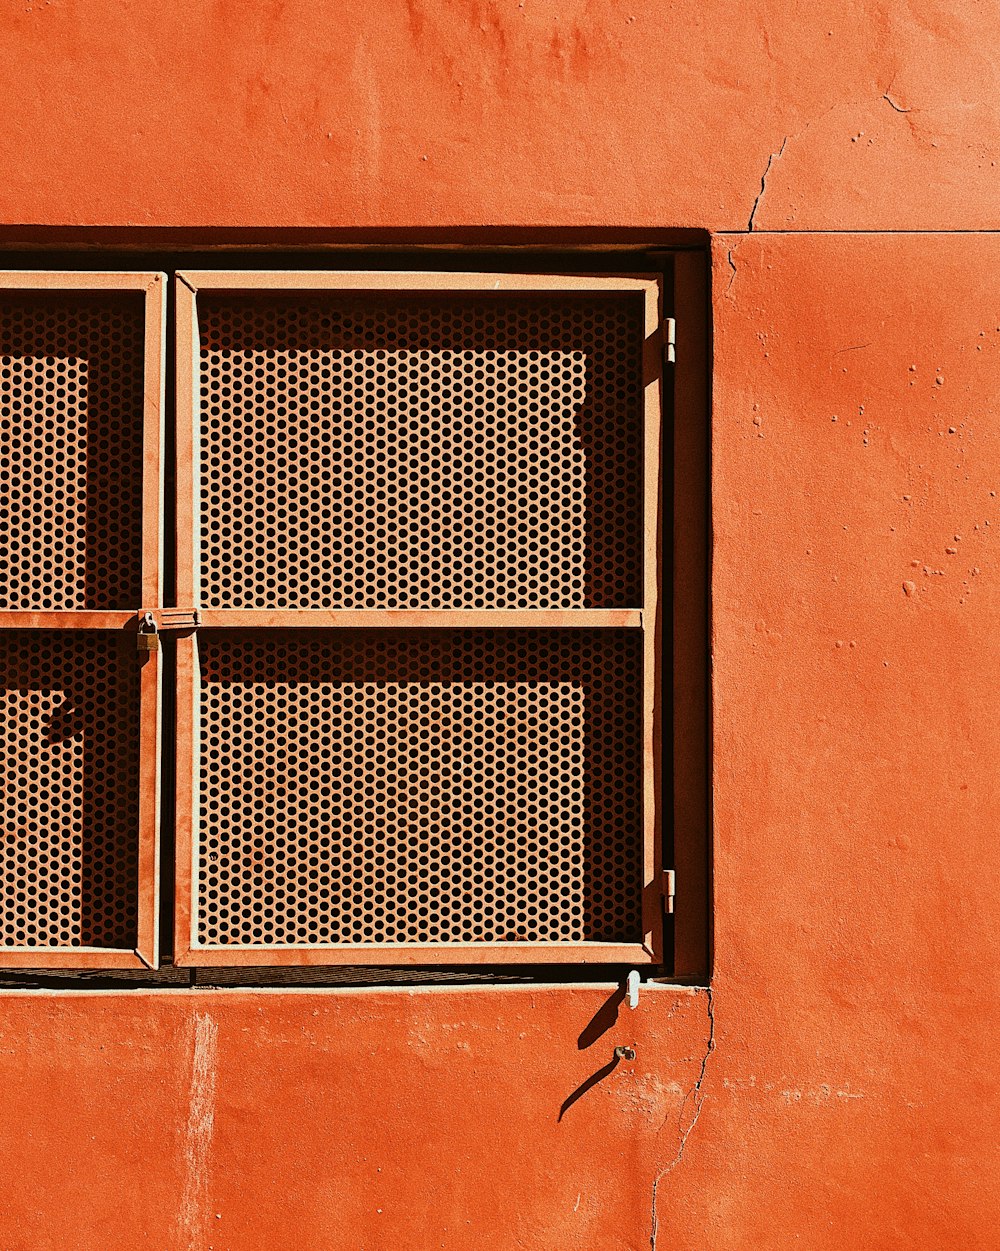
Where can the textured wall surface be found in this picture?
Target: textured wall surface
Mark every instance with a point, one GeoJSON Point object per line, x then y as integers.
{"type": "Point", "coordinates": [353, 1119]}
{"type": "Point", "coordinates": [865, 115]}
{"type": "Point", "coordinates": [856, 444]}
{"type": "Point", "coordinates": [837, 1087]}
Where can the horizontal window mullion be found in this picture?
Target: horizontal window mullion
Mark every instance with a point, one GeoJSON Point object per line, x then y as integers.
{"type": "Point", "coordinates": [461, 953]}
{"type": "Point", "coordinates": [420, 618]}
{"type": "Point", "coordinates": [68, 619]}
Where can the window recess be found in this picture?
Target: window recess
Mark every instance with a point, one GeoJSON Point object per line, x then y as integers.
{"type": "Point", "coordinates": [417, 519]}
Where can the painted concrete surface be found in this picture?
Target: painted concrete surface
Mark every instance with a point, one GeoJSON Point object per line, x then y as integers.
{"type": "Point", "coordinates": [856, 434]}
{"type": "Point", "coordinates": [363, 1119]}
{"type": "Point", "coordinates": [840, 1087]}
{"type": "Point", "coordinates": [865, 115]}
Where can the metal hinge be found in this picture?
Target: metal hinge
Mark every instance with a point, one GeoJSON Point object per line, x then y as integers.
{"type": "Point", "coordinates": [670, 341]}
{"type": "Point", "coordinates": [668, 891]}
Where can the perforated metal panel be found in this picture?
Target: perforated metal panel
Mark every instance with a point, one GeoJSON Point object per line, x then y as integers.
{"type": "Point", "coordinates": [81, 389]}
{"type": "Point", "coordinates": [440, 450]}
{"type": "Point", "coordinates": [421, 537]}
{"type": "Point", "coordinates": [70, 727]}
{"type": "Point", "coordinates": [420, 787]}
{"type": "Point", "coordinates": [71, 449]}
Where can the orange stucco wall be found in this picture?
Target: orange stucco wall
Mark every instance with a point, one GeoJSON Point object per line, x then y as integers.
{"type": "Point", "coordinates": [849, 1097]}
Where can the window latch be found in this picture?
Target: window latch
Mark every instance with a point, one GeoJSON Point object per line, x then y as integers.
{"type": "Point", "coordinates": [156, 621]}
{"type": "Point", "coordinates": [177, 618]}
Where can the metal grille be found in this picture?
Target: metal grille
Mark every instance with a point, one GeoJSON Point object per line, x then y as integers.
{"type": "Point", "coordinates": [71, 418]}
{"type": "Point", "coordinates": [432, 451]}
{"type": "Point", "coordinates": [419, 787]}
{"type": "Point", "coordinates": [70, 734]}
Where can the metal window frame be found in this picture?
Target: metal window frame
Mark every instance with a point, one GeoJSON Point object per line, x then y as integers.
{"type": "Point", "coordinates": [153, 287]}
{"type": "Point", "coordinates": [187, 950]}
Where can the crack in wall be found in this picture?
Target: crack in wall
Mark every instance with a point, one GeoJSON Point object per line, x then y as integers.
{"type": "Point", "coordinates": [695, 1095]}
{"type": "Point", "coordinates": [890, 101]}
{"type": "Point", "coordinates": [896, 107]}
{"type": "Point", "coordinates": [774, 156]}
{"type": "Point", "coordinates": [732, 276]}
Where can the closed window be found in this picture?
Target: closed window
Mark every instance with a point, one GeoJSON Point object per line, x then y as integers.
{"type": "Point", "coordinates": [411, 648]}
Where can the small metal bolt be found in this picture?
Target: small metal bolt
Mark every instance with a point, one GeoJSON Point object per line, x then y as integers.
{"type": "Point", "coordinates": [624, 1053]}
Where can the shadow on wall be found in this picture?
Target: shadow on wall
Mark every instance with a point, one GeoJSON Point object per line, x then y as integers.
{"type": "Point", "coordinates": [603, 1019]}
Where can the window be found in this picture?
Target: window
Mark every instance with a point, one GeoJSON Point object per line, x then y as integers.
{"type": "Point", "coordinates": [410, 659]}
{"type": "Point", "coordinates": [81, 408]}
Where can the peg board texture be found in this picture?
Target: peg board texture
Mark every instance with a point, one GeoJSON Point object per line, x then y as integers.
{"type": "Point", "coordinates": [432, 451]}
{"type": "Point", "coordinates": [70, 789]}
{"type": "Point", "coordinates": [419, 787]}
{"type": "Point", "coordinates": [71, 455]}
